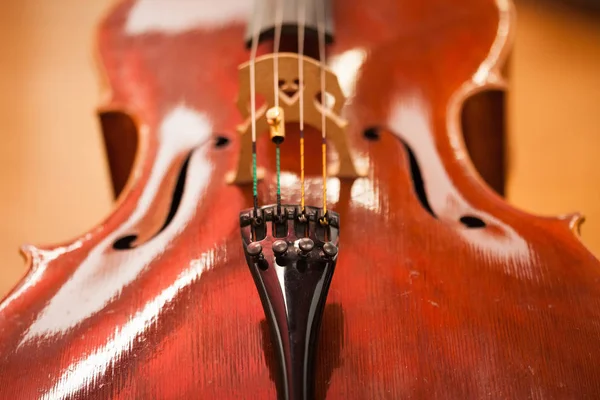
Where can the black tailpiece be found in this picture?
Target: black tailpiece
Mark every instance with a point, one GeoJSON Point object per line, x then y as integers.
{"type": "Point", "coordinates": [292, 256]}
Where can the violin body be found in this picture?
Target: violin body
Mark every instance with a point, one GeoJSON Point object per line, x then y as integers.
{"type": "Point", "coordinates": [441, 289]}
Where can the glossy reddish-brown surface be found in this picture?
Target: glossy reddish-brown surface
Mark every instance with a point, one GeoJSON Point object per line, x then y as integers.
{"type": "Point", "coordinates": [419, 307]}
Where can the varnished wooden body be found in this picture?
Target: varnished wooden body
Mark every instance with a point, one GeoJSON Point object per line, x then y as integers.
{"type": "Point", "coordinates": [421, 306]}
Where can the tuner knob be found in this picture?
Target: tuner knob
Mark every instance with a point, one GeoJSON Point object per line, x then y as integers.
{"type": "Point", "coordinates": [254, 249]}
{"type": "Point", "coordinates": [280, 247]}
{"type": "Point", "coordinates": [306, 245]}
{"type": "Point", "coordinates": [330, 249]}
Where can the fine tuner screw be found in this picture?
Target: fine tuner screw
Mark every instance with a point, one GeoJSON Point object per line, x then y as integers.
{"type": "Point", "coordinates": [330, 249]}
{"type": "Point", "coordinates": [279, 247]}
{"type": "Point", "coordinates": [254, 249]}
{"type": "Point", "coordinates": [306, 245]}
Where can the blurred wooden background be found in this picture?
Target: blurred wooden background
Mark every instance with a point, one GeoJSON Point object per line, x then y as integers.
{"type": "Point", "coordinates": [54, 181]}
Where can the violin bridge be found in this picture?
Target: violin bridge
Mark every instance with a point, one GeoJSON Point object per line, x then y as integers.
{"type": "Point", "coordinates": [331, 105]}
{"type": "Point", "coordinates": [292, 257]}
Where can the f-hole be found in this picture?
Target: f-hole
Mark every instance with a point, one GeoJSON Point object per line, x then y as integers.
{"type": "Point", "coordinates": [417, 179]}
{"type": "Point", "coordinates": [469, 221]}
{"type": "Point", "coordinates": [127, 242]}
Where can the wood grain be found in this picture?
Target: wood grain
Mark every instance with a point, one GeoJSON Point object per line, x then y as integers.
{"type": "Point", "coordinates": [425, 306]}
{"type": "Point", "coordinates": [32, 211]}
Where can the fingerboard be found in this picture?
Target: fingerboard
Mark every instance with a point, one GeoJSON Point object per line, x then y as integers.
{"type": "Point", "coordinates": [266, 17]}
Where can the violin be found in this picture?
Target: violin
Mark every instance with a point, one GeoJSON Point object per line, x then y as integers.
{"type": "Point", "coordinates": [299, 216]}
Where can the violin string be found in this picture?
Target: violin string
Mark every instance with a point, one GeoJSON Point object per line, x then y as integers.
{"type": "Point", "coordinates": [301, 27]}
{"type": "Point", "coordinates": [253, 51]}
{"type": "Point", "coordinates": [277, 41]}
{"type": "Point", "coordinates": [321, 32]}
{"type": "Point", "coordinates": [276, 44]}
